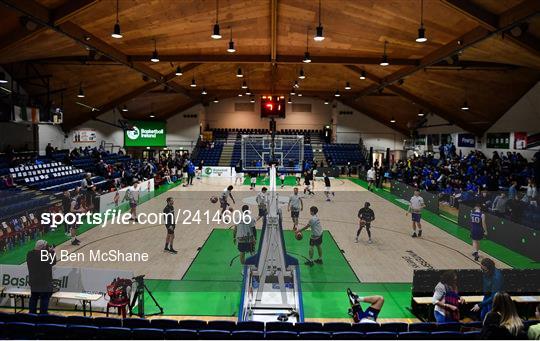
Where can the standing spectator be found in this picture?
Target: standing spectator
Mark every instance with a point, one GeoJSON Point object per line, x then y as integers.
{"type": "Point", "coordinates": [371, 178]}
{"type": "Point", "coordinates": [530, 194]}
{"type": "Point", "coordinates": [446, 299]}
{"type": "Point", "coordinates": [500, 203]}
{"type": "Point", "coordinates": [512, 190]}
{"type": "Point", "coordinates": [66, 208]}
{"type": "Point", "coordinates": [49, 151]}
{"type": "Point", "coordinates": [492, 284]}
{"type": "Point", "coordinates": [40, 276]}
{"type": "Point", "coordinates": [503, 321]}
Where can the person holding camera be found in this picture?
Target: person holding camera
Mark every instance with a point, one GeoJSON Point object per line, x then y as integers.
{"type": "Point", "coordinates": [40, 261]}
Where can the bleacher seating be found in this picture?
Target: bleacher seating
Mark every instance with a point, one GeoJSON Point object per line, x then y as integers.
{"type": "Point", "coordinates": [210, 156]}
{"type": "Point", "coordinates": [28, 326]}
{"type": "Point", "coordinates": [339, 154]}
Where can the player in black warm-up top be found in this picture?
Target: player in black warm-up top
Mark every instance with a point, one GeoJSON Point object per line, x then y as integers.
{"type": "Point", "coordinates": [366, 216]}
{"type": "Point", "coordinates": [170, 225]}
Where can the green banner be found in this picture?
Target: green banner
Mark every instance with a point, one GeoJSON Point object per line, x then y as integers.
{"type": "Point", "coordinates": [146, 134]}
{"type": "Point", "coordinates": [498, 140]}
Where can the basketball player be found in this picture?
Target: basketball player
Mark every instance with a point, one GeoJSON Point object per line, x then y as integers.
{"type": "Point", "coordinates": [223, 199]}
{"type": "Point", "coordinates": [298, 178]}
{"type": "Point", "coordinates": [371, 179]}
{"type": "Point", "coordinates": [307, 183]}
{"type": "Point", "coordinates": [282, 179]}
{"type": "Point", "coordinates": [327, 187]}
{"type": "Point", "coordinates": [253, 181]}
{"type": "Point", "coordinates": [295, 206]}
{"type": "Point", "coordinates": [243, 235]}
{"type": "Point", "coordinates": [262, 202]}
{"type": "Point", "coordinates": [132, 196]}
{"type": "Point", "coordinates": [371, 313]}
{"type": "Point", "coordinates": [366, 216]}
{"type": "Point", "coordinates": [416, 204]}
{"type": "Point", "coordinates": [316, 236]}
{"type": "Point", "coordinates": [169, 225]}
{"type": "Point", "coordinates": [478, 229]}
{"type": "Point", "coordinates": [77, 207]}
{"type": "Point", "coordinates": [239, 174]}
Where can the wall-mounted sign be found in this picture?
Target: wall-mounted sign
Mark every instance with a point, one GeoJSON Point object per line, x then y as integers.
{"type": "Point", "coordinates": [84, 136]}
{"type": "Point", "coordinates": [146, 134]}
{"type": "Point", "coordinates": [498, 140]}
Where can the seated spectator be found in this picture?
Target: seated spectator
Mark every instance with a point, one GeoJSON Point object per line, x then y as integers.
{"type": "Point", "coordinates": [503, 321]}
{"type": "Point", "coordinates": [534, 331]}
{"type": "Point", "coordinates": [7, 182]}
{"type": "Point", "coordinates": [500, 204]}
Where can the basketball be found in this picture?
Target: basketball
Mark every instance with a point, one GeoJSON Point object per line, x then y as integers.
{"type": "Point", "coordinates": [299, 236]}
{"type": "Point", "coordinates": [213, 200]}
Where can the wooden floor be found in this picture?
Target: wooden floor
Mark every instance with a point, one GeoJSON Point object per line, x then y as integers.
{"type": "Point", "coordinates": [391, 258]}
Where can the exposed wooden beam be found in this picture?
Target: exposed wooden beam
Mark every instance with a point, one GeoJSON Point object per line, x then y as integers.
{"type": "Point", "coordinates": [470, 38]}
{"type": "Point", "coordinates": [357, 106]}
{"type": "Point", "coordinates": [55, 17]}
{"type": "Point", "coordinates": [426, 105]}
{"type": "Point", "coordinates": [493, 22]}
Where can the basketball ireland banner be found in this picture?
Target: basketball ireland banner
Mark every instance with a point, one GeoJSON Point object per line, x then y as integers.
{"type": "Point", "coordinates": [146, 134]}
{"type": "Point", "coordinates": [224, 172]}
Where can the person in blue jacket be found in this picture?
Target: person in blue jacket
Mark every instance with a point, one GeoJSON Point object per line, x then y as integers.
{"type": "Point", "coordinates": [493, 283]}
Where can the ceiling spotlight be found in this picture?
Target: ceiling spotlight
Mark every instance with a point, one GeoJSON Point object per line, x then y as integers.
{"type": "Point", "coordinates": [81, 91]}
{"type": "Point", "coordinates": [117, 34]}
{"type": "Point", "coordinates": [244, 85]}
{"type": "Point", "coordinates": [239, 73]}
{"type": "Point", "coordinates": [152, 115]}
{"type": "Point", "coordinates": [215, 30]}
{"type": "Point", "coordinates": [363, 75]}
{"type": "Point", "coordinates": [216, 100]}
{"type": "Point", "coordinates": [248, 92]}
{"type": "Point", "coordinates": [307, 57]}
{"type": "Point", "coordinates": [155, 57]}
{"type": "Point", "coordinates": [240, 95]}
{"type": "Point", "coordinates": [319, 36]}
{"type": "Point", "coordinates": [203, 92]}
{"type": "Point", "coordinates": [193, 83]}
{"type": "Point", "coordinates": [231, 48]}
{"type": "Point", "coordinates": [292, 92]}
{"type": "Point", "coordinates": [289, 100]}
{"type": "Point", "coordinates": [392, 120]}
{"type": "Point", "coordinates": [299, 94]}
{"type": "Point", "coordinates": [421, 113]}
{"type": "Point", "coordinates": [178, 71]}
{"type": "Point", "coordinates": [3, 79]}
{"type": "Point", "coordinates": [252, 100]}
{"type": "Point", "coordinates": [465, 106]}
{"type": "Point", "coordinates": [421, 30]}
{"type": "Point", "coordinates": [125, 108]}
{"type": "Point", "coordinates": [347, 86]}
{"type": "Point", "coordinates": [326, 102]}
{"type": "Point", "coordinates": [384, 60]}
{"type": "Point", "coordinates": [302, 75]}
{"type": "Point", "coordinates": [296, 85]}
{"type": "Point", "coordinates": [337, 94]}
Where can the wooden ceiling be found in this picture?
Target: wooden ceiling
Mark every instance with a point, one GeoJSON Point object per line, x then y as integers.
{"type": "Point", "coordinates": [484, 51]}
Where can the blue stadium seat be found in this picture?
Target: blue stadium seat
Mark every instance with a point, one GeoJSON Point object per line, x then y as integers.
{"type": "Point", "coordinates": [473, 324]}
{"type": "Point", "coordinates": [52, 319]}
{"type": "Point", "coordinates": [250, 325]}
{"type": "Point", "coordinates": [191, 324]}
{"type": "Point", "coordinates": [247, 335]}
{"type": "Point", "coordinates": [29, 318]}
{"type": "Point", "coordinates": [414, 336]}
{"type": "Point", "coordinates": [333, 327]}
{"type": "Point", "coordinates": [448, 327]}
{"type": "Point", "coordinates": [281, 335]}
{"type": "Point", "coordinates": [180, 334]}
{"type": "Point", "coordinates": [210, 334]}
{"type": "Point", "coordinates": [381, 336]}
{"type": "Point", "coordinates": [222, 325]}
{"type": "Point", "coordinates": [308, 327]}
{"type": "Point", "coordinates": [80, 320]}
{"type": "Point", "coordinates": [447, 335]}
{"type": "Point", "coordinates": [107, 322]}
{"type": "Point", "coordinates": [135, 323]}
{"type": "Point", "coordinates": [278, 326]}
{"type": "Point", "coordinates": [348, 336]}
{"type": "Point", "coordinates": [114, 333]}
{"type": "Point", "coordinates": [147, 334]}
{"type": "Point", "coordinates": [366, 327]}
{"type": "Point", "coordinates": [422, 327]}
{"type": "Point", "coordinates": [396, 327]}
{"type": "Point", "coordinates": [19, 330]}
{"type": "Point", "coordinates": [167, 324]}
{"type": "Point", "coordinates": [6, 317]}
{"type": "Point", "coordinates": [474, 335]}
{"type": "Point", "coordinates": [314, 336]}
{"type": "Point", "coordinates": [78, 332]}
{"type": "Point", "coordinates": [49, 331]}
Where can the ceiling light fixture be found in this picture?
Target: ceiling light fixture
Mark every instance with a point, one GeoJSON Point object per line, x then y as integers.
{"type": "Point", "coordinates": [319, 36]}
{"type": "Point", "coordinates": [193, 83]}
{"type": "Point", "coordinates": [421, 30]}
{"type": "Point", "coordinates": [392, 120]}
{"type": "Point", "coordinates": [347, 86]}
{"type": "Point", "coordinates": [240, 95]}
{"type": "Point", "coordinates": [117, 33]}
{"type": "Point", "coordinates": [292, 92]}
{"type": "Point", "coordinates": [3, 79]}
{"type": "Point", "coordinates": [178, 71]}
{"type": "Point", "coordinates": [152, 115]}
{"type": "Point", "coordinates": [248, 92]}
{"type": "Point", "coordinates": [155, 57]}
{"type": "Point", "coordinates": [289, 100]}
{"type": "Point", "coordinates": [81, 91]}
{"type": "Point", "coordinates": [203, 92]}
{"type": "Point", "coordinates": [244, 85]}
{"type": "Point", "coordinates": [231, 48]}
{"type": "Point", "coordinates": [465, 106]}
{"type": "Point", "coordinates": [326, 102]}
{"type": "Point", "coordinates": [216, 100]}
{"type": "Point", "coordinates": [296, 85]}
{"type": "Point", "coordinates": [421, 113]}
{"type": "Point", "coordinates": [337, 94]}
{"type": "Point", "coordinates": [363, 75]}
{"type": "Point", "coordinates": [384, 60]}
{"type": "Point", "coordinates": [125, 108]}
{"type": "Point", "coordinates": [215, 30]}
{"type": "Point", "coordinates": [252, 100]}
{"type": "Point", "coordinates": [239, 73]}
{"type": "Point", "coordinates": [307, 57]}
{"type": "Point", "coordinates": [299, 94]}
{"type": "Point", "coordinates": [302, 74]}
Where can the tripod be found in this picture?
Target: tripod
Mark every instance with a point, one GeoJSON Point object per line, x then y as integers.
{"type": "Point", "coordinates": [139, 298]}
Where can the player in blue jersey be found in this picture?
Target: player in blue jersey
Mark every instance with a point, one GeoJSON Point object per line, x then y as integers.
{"type": "Point", "coordinates": [478, 228]}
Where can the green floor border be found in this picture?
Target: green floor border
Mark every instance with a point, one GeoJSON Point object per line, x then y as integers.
{"type": "Point", "coordinates": [17, 255]}
{"type": "Point", "coordinates": [502, 253]}
{"type": "Point", "coordinates": [265, 181]}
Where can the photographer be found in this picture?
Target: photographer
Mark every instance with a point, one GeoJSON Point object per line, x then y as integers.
{"type": "Point", "coordinates": [40, 266]}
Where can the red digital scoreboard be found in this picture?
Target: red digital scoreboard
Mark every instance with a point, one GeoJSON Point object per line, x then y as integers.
{"type": "Point", "coordinates": [273, 106]}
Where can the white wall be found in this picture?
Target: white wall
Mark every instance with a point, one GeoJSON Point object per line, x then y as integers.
{"type": "Point", "coordinates": [183, 132]}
